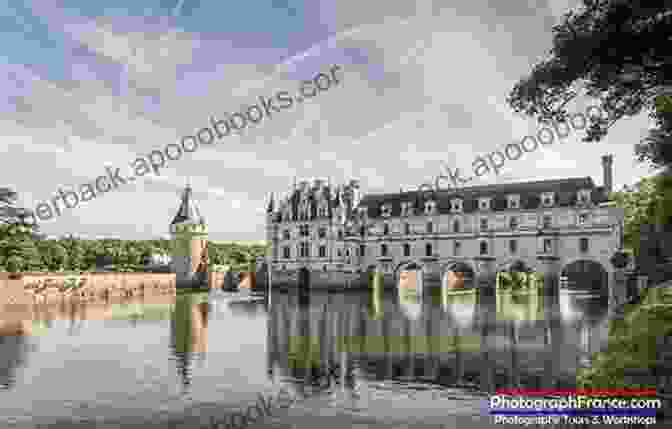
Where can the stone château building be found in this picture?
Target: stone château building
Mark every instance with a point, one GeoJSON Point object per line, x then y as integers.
{"type": "Point", "coordinates": [324, 230]}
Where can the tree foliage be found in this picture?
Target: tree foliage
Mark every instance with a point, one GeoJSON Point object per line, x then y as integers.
{"type": "Point", "coordinates": [615, 51]}
{"type": "Point", "coordinates": [645, 203]}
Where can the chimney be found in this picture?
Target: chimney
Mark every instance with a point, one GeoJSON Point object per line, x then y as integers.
{"type": "Point", "coordinates": [608, 173]}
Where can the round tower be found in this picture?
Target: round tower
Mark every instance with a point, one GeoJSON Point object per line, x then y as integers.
{"type": "Point", "coordinates": [190, 243]}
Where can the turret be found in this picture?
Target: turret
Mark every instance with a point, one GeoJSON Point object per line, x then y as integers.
{"type": "Point", "coordinates": [190, 240]}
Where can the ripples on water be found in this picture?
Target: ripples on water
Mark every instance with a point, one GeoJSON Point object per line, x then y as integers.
{"type": "Point", "coordinates": [390, 357]}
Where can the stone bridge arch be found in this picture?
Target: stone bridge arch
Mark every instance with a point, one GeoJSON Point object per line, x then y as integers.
{"type": "Point", "coordinates": [410, 263]}
{"type": "Point", "coordinates": [456, 266]}
{"type": "Point", "coordinates": [586, 274]}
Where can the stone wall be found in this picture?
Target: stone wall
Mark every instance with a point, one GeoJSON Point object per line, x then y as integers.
{"type": "Point", "coordinates": [41, 287]}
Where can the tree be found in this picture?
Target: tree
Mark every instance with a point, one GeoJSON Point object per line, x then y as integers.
{"type": "Point", "coordinates": [617, 51]}
{"type": "Point", "coordinates": [17, 248]}
{"type": "Point", "coordinates": [645, 203]}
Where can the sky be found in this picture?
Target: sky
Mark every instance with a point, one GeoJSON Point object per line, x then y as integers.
{"type": "Point", "coordinates": [93, 84]}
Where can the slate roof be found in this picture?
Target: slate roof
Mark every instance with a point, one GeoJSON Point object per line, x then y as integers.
{"type": "Point", "coordinates": [188, 211]}
{"type": "Point", "coordinates": [530, 195]}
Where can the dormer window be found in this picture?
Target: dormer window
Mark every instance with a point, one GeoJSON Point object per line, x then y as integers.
{"type": "Point", "coordinates": [386, 210]}
{"type": "Point", "coordinates": [456, 205]}
{"type": "Point", "coordinates": [484, 203]}
{"type": "Point", "coordinates": [406, 208]}
{"type": "Point", "coordinates": [583, 197]}
{"type": "Point", "coordinates": [430, 207]}
{"type": "Point", "coordinates": [513, 201]}
{"type": "Point", "coordinates": [547, 199]}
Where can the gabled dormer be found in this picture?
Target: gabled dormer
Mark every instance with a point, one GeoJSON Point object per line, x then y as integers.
{"type": "Point", "coordinates": [583, 198]}
{"type": "Point", "coordinates": [386, 210]}
{"type": "Point", "coordinates": [547, 199]}
{"type": "Point", "coordinates": [513, 201]}
{"type": "Point", "coordinates": [430, 207]}
{"type": "Point", "coordinates": [406, 208]}
{"type": "Point", "coordinates": [456, 205]}
{"type": "Point", "coordinates": [485, 204]}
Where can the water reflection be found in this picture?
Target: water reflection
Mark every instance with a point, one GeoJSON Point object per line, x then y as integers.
{"type": "Point", "coordinates": [465, 339]}
{"type": "Point", "coordinates": [189, 333]}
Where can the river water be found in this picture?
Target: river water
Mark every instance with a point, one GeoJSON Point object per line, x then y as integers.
{"type": "Point", "coordinates": [351, 359]}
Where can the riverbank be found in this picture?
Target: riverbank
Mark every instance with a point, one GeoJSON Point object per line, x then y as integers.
{"type": "Point", "coordinates": [639, 351]}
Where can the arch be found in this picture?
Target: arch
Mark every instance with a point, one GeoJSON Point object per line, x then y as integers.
{"type": "Point", "coordinates": [458, 267]}
{"type": "Point", "coordinates": [515, 265]}
{"type": "Point", "coordinates": [406, 264]}
{"type": "Point", "coordinates": [586, 274]}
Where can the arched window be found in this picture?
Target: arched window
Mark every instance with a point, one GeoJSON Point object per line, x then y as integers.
{"type": "Point", "coordinates": [456, 226]}
{"type": "Point", "coordinates": [428, 249]}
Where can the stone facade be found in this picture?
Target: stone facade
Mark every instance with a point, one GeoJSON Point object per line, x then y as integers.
{"type": "Point", "coordinates": [326, 229]}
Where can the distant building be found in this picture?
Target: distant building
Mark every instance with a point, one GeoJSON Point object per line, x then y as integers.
{"type": "Point", "coordinates": [324, 229]}
{"type": "Point", "coordinates": [190, 243]}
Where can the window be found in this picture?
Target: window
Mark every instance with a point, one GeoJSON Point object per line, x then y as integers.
{"type": "Point", "coordinates": [406, 209]}
{"type": "Point", "coordinates": [304, 250]}
{"type": "Point", "coordinates": [286, 253]}
{"type": "Point", "coordinates": [484, 224]}
{"type": "Point", "coordinates": [513, 222]}
{"type": "Point", "coordinates": [386, 210]}
{"type": "Point", "coordinates": [484, 203]}
{"type": "Point", "coordinates": [456, 205]}
{"type": "Point", "coordinates": [428, 249]}
{"type": "Point", "coordinates": [340, 234]}
{"type": "Point", "coordinates": [430, 227]}
{"type": "Point", "coordinates": [456, 248]}
{"type": "Point", "coordinates": [547, 199]}
{"type": "Point", "coordinates": [456, 226]}
{"type": "Point", "coordinates": [285, 234]}
{"type": "Point", "coordinates": [324, 268]}
{"type": "Point", "coordinates": [407, 250]}
{"type": "Point", "coordinates": [347, 252]}
{"type": "Point", "coordinates": [514, 201]}
{"type": "Point", "coordinates": [583, 218]}
{"type": "Point", "coordinates": [362, 230]}
{"type": "Point", "coordinates": [383, 250]}
{"type": "Point", "coordinates": [583, 244]}
{"type": "Point", "coordinates": [323, 251]}
{"type": "Point", "coordinates": [386, 229]}
{"type": "Point", "coordinates": [339, 252]}
{"type": "Point", "coordinates": [362, 250]}
{"type": "Point", "coordinates": [547, 221]}
{"type": "Point", "coordinates": [322, 232]}
{"type": "Point", "coordinates": [484, 248]}
{"type": "Point", "coordinates": [548, 245]}
{"type": "Point", "coordinates": [407, 229]}
{"type": "Point", "coordinates": [304, 230]}
{"type": "Point", "coordinates": [513, 246]}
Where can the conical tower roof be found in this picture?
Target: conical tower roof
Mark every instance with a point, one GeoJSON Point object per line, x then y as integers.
{"type": "Point", "coordinates": [188, 211]}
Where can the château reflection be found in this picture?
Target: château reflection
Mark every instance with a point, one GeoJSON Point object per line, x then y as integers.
{"type": "Point", "coordinates": [437, 337]}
